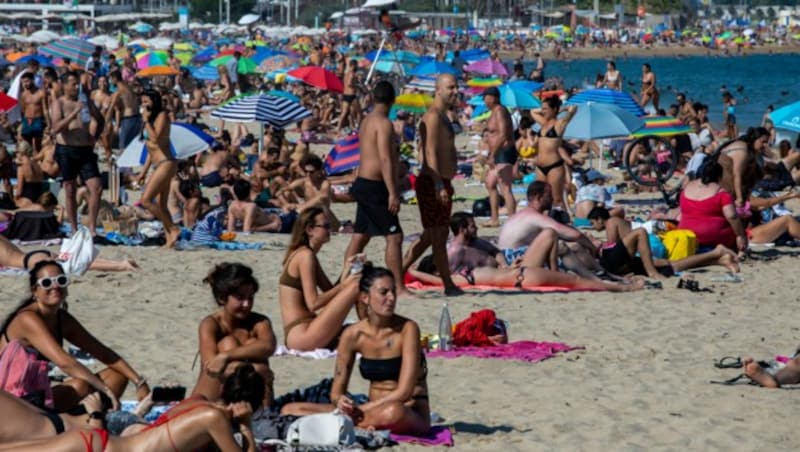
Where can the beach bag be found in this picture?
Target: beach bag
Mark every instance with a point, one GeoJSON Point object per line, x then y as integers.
{"type": "Point", "coordinates": [32, 226]}
{"type": "Point", "coordinates": [324, 431]}
{"type": "Point", "coordinates": [475, 330]}
{"type": "Point", "coordinates": [657, 247]}
{"type": "Point", "coordinates": [23, 375]}
{"type": "Point", "coordinates": [680, 243]}
{"type": "Point", "coordinates": [77, 252]}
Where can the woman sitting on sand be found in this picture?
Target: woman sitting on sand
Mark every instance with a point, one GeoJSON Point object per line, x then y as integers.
{"type": "Point", "coordinates": [519, 277]}
{"type": "Point", "coordinates": [739, 161]}
{"type": "Point", "coordinates": [707, 209]}
{"type": "Point", "coordinates": [234, 334]}
{"type": "Point", "coordinates": [33, 334]}
{"type": "Point", "coordinates": [191, 425]}
{"type": "Point", "coordinates": [391, 359]}
{"type": "Point", "coordinates": [303, 328]}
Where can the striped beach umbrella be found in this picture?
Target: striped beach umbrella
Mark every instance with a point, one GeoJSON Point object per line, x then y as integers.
{"type": "Point", "coordinates": [345, 155]}
{"type": "Point", "coordinates": [78, 50]}
{"type": "Point", "coordinates": [607, 96]}
{"type": "Point", "coordinates": [662, 126]}
{"type": "Point", "coordinates": [185, 140]}
{"type": "Point", "coordinates": [276, 111]}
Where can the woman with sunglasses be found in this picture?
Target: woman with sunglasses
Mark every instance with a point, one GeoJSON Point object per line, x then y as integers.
{"type": "Point", "coordinates": [303, 327]}
{"type": "Point", "coordinates": [33, 334]}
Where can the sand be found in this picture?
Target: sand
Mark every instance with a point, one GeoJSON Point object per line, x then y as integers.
{"type": "Point", "coordinates": [640, 384]}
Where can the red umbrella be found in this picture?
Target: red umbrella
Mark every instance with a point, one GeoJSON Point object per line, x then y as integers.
{"type": "Point", "coordinates": [7, 102]}
{"type": "Point", "coordinates": [319, 77]}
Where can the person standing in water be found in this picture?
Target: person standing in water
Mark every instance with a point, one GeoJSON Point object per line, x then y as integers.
{"type": "Point", "coordinates": [649, 91]}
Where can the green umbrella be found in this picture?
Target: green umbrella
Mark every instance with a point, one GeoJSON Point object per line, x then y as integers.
{"type": "Point", "coordinates": [245, 66]}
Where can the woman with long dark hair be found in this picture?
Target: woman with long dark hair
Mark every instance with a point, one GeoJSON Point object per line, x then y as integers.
{"type": "Point", "coordinates": [740, 168]}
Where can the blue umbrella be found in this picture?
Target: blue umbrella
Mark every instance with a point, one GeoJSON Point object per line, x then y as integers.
{"type": "Point", "coordinates": [595, 121]}
{"type": "Point", "coordinates": [525, 85]}
{"type": "Point", "coordinates": [607, 96]}
{"type": "Point", "coordinates": [204, 55]}
{"type": "Point", "coordinates": [434, 68]}
{"type": "Point", "coordinates": [787, 118]}
{"type": "Point", "coordinates": [280, 93]}
{"type": "Point", "coordinates": [401, 56]}
{"type": "Point", "coordinates": [185, 140]}
{"type": "Point", "coordinates": [205, 73]}
{"type": "Point", "coordinates": [511, 97]}
{"type": "Point", "coordinates": [43, 60]}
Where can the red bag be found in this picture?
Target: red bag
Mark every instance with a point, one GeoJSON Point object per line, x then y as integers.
{"type": "Point", "coordinates": [476, 329]}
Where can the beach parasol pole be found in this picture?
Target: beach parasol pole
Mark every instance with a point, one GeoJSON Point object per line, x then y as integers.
{"type": "Point", "coordinates": [377, 57]}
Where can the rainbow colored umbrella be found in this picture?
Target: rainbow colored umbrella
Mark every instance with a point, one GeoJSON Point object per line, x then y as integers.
{"type": "Point", "coordinates": [154, 71]}
{"type": "Point", "coordinates": [244, 66]}
{"type": "Point", "coordinates": [413, 102]}
{"type": "Point", "coordinates": [484, 82]}
{"type": "Point", "coordinates": [151, 58]}
{"type": "Point", "coordinates": [662, 126]}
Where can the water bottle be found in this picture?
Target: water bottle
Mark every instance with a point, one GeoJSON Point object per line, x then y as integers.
{"type": "Point", "coordinates": [445, 330]}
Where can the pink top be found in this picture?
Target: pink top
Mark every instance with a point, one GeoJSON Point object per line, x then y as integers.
{"type": "Point", "coordinates": [705, 218]}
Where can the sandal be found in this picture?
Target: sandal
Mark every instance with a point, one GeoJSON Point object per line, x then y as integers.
{"type": "Point", "coordinates": [729, 362]}
{"type": "Point", "coordinates": [737, 380]}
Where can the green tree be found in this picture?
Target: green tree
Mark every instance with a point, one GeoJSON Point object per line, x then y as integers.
{"type": "Point", "coordinates": [771, 13]}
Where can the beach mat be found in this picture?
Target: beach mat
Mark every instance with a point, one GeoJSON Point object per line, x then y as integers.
{"type": "Point", "coordinates": [420, 286]}
{"type": "Point", "coordinates": [439, 435]}
{"type": "Point", "coordinates": [528, 351]}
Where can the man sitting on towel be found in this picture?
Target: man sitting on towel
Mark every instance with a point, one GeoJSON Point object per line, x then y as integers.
{"type": "Point", "coordinates": [245, 211]}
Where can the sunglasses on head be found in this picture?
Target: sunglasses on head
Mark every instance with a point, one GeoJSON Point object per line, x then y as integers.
{"type": "Point", "coordinates": [48, 282]}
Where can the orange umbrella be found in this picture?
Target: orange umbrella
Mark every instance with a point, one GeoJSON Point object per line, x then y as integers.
{"type": "Point", "coordinates": [154, 71]}
{"type": "Point", "coordinates": [14, 56]}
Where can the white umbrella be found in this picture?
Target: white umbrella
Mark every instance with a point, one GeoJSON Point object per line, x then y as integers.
{"type": "Point", "coordinates": [160, 43]}
{"type": "Point", "coordinates": [248, 19]}
{"type": "Point", "coordinates": [185, 140]}
{"type": "Point", "coordinates": [378, 3]}
{"type": "Point", "coordinates": [43, 36]}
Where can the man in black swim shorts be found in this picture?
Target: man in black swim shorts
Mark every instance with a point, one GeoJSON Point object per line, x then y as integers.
{"type": "Point", "coordinates": [502, 156]}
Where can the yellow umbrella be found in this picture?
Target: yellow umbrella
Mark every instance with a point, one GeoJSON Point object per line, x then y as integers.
{"type": "Point", "coordinates": [417, 100]}
{"type": "Point", "coordinates": [154, 71]}
{"type": "Point", "coordinates": [183, 46]}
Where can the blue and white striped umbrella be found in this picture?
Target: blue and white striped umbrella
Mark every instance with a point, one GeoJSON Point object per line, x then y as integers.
{"type": "Point", "coordinates": [607, 96]}
{"type": "Point", "coordinates": [185, 140]}
{"type": "Point", "coordinates": [274, 110]}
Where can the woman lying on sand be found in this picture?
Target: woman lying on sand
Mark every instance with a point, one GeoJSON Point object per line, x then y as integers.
{"type": "Point", "coordinates": [519, 277]}
{"type": "Point", "coordinates": [303, 328]}
{"type": "Point", "coordinates": [391, 359]}
{"type": "Point", "coordinates": [789, 375]}
{"type": "Point", "coordinates": [33, 334]}
{"type": "Point", "coordinates": [193, 424]}
{"type": "Point", "coordinates": [12, 256]}
{"type": "Point", "coordinates": [234, 334]}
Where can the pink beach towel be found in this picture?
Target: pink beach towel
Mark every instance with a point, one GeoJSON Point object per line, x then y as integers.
{"type": "Point", "coordinates": [440, 435]}
{"type": "Point", "coordinates": [414, 284]}
{"type": "Point", "coordinates": [529, 351]}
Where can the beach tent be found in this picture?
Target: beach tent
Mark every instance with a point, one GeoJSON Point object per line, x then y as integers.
{"type": "Point", "coordinates": [345, 155]}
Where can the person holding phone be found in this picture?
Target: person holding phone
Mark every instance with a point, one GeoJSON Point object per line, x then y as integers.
{"type": "Point", "coordinates": [71, 121]}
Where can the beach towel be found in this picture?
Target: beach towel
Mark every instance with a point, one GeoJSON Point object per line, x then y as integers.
{"type": "Point", "coordinates": [528, 351]}
{"type": "Point", "coordinates": [440, 435]}
{"type": "Point", "coordinates": [345, 156]}
{"type": "Point", "coordinates": [319, 353]}
{"type": "Point", "coordinates": [415, 284]}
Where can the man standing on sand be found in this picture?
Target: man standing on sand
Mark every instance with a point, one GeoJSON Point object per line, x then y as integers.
{"type": "Point", "coordinates": [349, 97]}
{"type": "Point", "coordinates": [34, 105]}
{"type": "Point", "coordinates": [502, 156]}
{"type": "Point", "coordinates": [125, 108]}
{"type": "Point", "coordinates": [71, 119]}
{"type": "Point", "coordinates": [375, 189]}
{"type": "Point", "coordinates": [434, 190]}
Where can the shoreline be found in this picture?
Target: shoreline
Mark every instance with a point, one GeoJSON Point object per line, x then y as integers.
{"type": "Point", "coordinates": [597, 53]}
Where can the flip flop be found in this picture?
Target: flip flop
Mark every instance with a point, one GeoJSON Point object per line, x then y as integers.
{"type": "Point", "coordinates": [737, 380]}
{"type": "Point", "coordinates": [729, 362]}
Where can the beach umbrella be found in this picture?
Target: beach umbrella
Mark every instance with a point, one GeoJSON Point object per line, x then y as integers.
{"type": "Point", "coordinates": [43, 60]}
{"type": "Point", "coordinates": [345, 155]}
{"type": "Point", "coordinates": [276, 62]}
{"type": "Point", "coordinates": [151, 58]}
{"type": "Point", "coordinates": [244, 66]}
{"type": "Point", "coordinates": [141, 27]}
{"type": "Point", "coordinates": [400, 56]}
{"type": "Point", "coordinates": [14, 56]}
{"type": "Point", "coordinates": [7, 102]}
{"type": "Point", "coordinates": [319, 77]}
{"type": "Point", "coordinates": [390, 67]}
{"type": "Point", "coordinates": [513, 97]}
{"type": "Point", "coordinates": [595, 121]}
{"type": "Point", "coordinates": [204, 55]}
{"type": "Point", "coordinates": [155, 71]}
{"type": "Point", "coordinates": [185, 140]}
{"type": "Point", "coordinates": [78, 50]}
{"type": "Point", "coordinates": [787, 117]}
{"type": "Point", "coordinates": [413, 102]}
{"type": "Point", "coordinates": [480, 113]}
{"type": "Point", "coordinates": [278, 111]}
{"type": "Point", "coordinates": [484, 82]}
{"type": "Point", "coordinates": [280, 93]}
{"type": "Point", "coordinates": [525, 85]}
{"type": "Point", "coordinates": [434, 68]}
{"type": "Point", "coordinates": [662, 126]}
{"type": "Point", "coordinates": [607, 96]}
{"type": "Point", "coordinates": [428, 84]}
{"type": "Point", "coordinates": [205, 73]}
{"type": "Point", "coordinates": [487, 67]}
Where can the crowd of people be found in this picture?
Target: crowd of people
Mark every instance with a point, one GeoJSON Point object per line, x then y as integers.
{"type": "Point", "coordinates": [71, 118]}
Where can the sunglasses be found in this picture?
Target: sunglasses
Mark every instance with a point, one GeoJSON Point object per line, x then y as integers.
{"type": "Point", "coordinates": [48, 282]}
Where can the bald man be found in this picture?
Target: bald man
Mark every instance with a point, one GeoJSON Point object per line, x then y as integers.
{"type": "Point", "coordinates": [434, 190]}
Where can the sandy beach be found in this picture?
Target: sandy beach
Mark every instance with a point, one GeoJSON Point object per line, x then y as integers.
{"type": "Point", "coordinates": [641, 383]}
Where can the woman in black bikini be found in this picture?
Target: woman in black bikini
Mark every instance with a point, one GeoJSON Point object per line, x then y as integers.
{"type": "Point", "coordinates": [303, 328]}
{"type": "Point", "coordinates": [29, 177]}
{"type": "Point", "coordinates": [551, 156]}
{"type": "Point", "coordinates": [234, 334]}
{"type": "Point", "coordinates": [649, 91]}
{"type": "Point", "coordinates": [391, 359]}
{"type": "Point", "coordinates": [35, 331]}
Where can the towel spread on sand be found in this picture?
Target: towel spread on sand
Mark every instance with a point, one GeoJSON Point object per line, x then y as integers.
{"type": "Point", "coordinates": [440, 435]}
{"type": "Point", "coordinates": [529, 351]}
{"type": "Point", "coordinates": [419, 285]}
{"type": "Point", "coordinates": [319, 353]}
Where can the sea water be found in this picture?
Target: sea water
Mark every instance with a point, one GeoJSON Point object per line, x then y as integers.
{"type": "Point", "coordinates": [756, 81]}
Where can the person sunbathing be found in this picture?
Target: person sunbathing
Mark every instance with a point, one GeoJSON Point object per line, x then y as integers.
{"type": "Point", "coordinates": [251, 217]}
{"type": "Point", "coordinates": [788, 375]}
{"type": "Point", "coordinates": [520, 277]}
{"type": "Point", "coordinates": [234, 334]}
{"type": "Point", "coordinates": [12, 256]}
{"type": "Point", "coordinates": [391, 359]}
{"type": "Point", "coordinates": [619, 254]}
{"type": "Point", "coordinates": [314, 189]}
{"type": "Point", "coordinates": [193, 424]}
{"type": "Point", "coordinates": [34, 333]}
{"type": "Point", "coordinates": [303, 328]}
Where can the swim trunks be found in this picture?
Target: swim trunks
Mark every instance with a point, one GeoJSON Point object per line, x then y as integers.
{"type": "Point", "coordinates": [506, 155]}
{"type": "Point", "coordinates": [211, 180]}
{"type": "Point", "coordinates": [33, 127]}
{"type": "Point", "coordinates": [512, 254]}
{"type": "Point", "coordinates": [287, 221]}
{"type": "Point", "coordinates": [372, 209]}
{"type": "Point", "coordinates": [129, 128]}
{"type": "Point", "coordinates": [77, 160]}
{"type": "Point", "coordinates": [349, 98]}
{"type": "Point", "coordinates": [615, 259]}
{"type": "Point", "coordinates": [432, 211]}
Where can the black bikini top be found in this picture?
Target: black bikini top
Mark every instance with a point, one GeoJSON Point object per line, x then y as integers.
{"type": "Point", "coordinates": [551, 133]}
{"type": "Point", "coordinates": [386, 369]}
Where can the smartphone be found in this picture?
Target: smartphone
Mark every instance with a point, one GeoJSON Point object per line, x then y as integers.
{"type": "Point", "coordinates": [168, 394]}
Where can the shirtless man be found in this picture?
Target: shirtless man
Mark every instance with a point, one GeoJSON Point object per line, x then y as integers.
{"type": "Point", "coordinates": [34, 106]}
{"type": "Point", "coordinates": [71, 121]}
{"type": "Point", "coordinates": [375, 190]}
{"type": "Point", "coordinates": [314, 189]}
{"type": "Point", "coordinates": [502, 156]}
{"type": "Point", "coordinates": [214, 170]}
{"type": "Point", "coordinates": [466, 251]}
{"type": "Point", "coordinates": [52, 85]}
{"type": "Point", "coordinates": [532, 236]}
{"type": "Point", "coordinates": [349, 97]}
{"type": "Point", "coordinates": [125, 111]}
{"type": "Point", "coordinates": [252, 217]}
{"type": "Point", "coordinates": [434, 189]}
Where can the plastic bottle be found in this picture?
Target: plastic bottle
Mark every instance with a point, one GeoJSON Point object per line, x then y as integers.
{"type": "Point", "coordinates": [445, 330]}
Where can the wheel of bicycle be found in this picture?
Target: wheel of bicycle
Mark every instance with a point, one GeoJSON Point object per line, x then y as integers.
{"type": "Point", "coordinates": [651, 160]}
